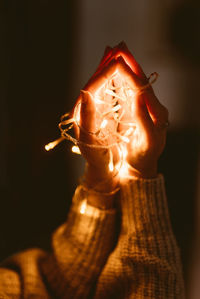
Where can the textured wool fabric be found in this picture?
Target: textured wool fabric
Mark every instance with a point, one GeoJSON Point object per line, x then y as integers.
{"type": "Point", "coordinates": [146, 261]}
{"type": "Point", "coordinates": [86, 261]}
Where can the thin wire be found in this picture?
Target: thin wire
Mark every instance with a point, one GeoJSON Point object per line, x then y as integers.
{"type": "Point", "coordinates": [66, 124]}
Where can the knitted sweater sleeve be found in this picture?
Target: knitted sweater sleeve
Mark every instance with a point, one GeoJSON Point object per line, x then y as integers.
{"type": "Point", "coordinates": [146, 261]}
{"type": "Point", "coordinates": [80, 248]}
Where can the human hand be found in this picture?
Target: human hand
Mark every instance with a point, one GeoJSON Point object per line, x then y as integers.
{"type": "Point", "coordinates": [148, 139]}
{"type": "Point", "coordinates": [149, 115]}
{"type": "Point", "coordinates": [97, 151]}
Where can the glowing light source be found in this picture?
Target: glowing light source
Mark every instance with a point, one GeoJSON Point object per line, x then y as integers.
{"type": "Point", "coordinates": [129, 132]}
{"type": "Point", "coordinates": [83, 207]}
{"type": "Point", "coordinates": [123, 171]}
{"type": "Point", "coordinates": [103, 124]}
{"type": "Point", "coordinates": [114, 100]}
{"type": "Point", "coordinates": [110, 164]}
{"type": "Point", "coordinates": [125, 139]}
{"type": "Point", "coordinates": [76, 150]}
{"type": "Point", "coordinates": [51, 145]}
{"type": "Point", "coordinates": [116, 108]}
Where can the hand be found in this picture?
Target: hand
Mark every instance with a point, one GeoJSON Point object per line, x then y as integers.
{"type": "Point", "coordinates": [97, 174]}
{"type": "Point", "coordinates": [150, 116]}
{"type": "Point", "coordinates": [147, 141]}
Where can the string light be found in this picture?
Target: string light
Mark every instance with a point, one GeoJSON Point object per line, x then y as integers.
{"type": "Point", "coordinates": [111, 165]}
{"type": "Point", "coordinates": [103, 124]}
{"type": "Point", "coordinates": [83, 207]}
{"type": "Point", "coordinates": [112, 104]}
{"type": "Point", "coordinates": [76, 150]}
{"type": "Point", "coordinates": [51, 145]}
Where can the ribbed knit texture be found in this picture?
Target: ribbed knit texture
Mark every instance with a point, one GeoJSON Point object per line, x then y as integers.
{"type": "Point", "coordinates": [81, 247]}
{"type": "Point", "coordinates": [145, 263]}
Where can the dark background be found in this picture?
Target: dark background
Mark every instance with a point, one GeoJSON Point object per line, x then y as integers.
{"type": "Point", "coordinates": [48, 50]}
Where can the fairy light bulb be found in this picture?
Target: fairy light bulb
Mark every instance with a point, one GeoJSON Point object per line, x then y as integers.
{"type": "Point", "coordinates": [123, 171]}
{"type": "Point", "coordinates": [104, 123]}
{"type": "Point", "coordinates": [125, 139]}
{"type": "Point", "coordinates": [129, 132]}
{"type": "Point", "coordinates": [110, 164]}
{"type": "Point", "coordinates": [76, 150]}
{"type": "Point", "coordinates": [83, 207]}
{"type": "Point", "coordinates": [51, 145]}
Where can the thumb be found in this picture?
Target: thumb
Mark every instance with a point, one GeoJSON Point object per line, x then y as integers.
{"type": "Point", "coordinates": [87, 117]}
{"type": "Point", "coordinates": [141, 115]}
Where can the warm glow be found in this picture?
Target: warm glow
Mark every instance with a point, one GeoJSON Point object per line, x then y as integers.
{"type": "Point", "coordinates": [116, 108]}
{"type": "Point", "coordinates": [125, 139]}
{"type": "Point", "coordinates": [51, 145]}
{"type": "Point", "coordinates": [83, 207]}
{"type": "Point", "coordinates": [113, 99]}
{"type": "Point", "coordinates": [98, 100]}
{"type": "Point", "coordinates": [110, 92]}
{"type": "Point", "coordinates": [122, 165]}
{"type": "Point", "coordinates": [76, 150]}
{"type": "Point", "coordinates": [129, 132]}
{"type": "Point", "coordinates": [130, 92]}
{"type": "Point", "coordinates": [103, 124]}
{"type": "Point", "coordinates": [124, 153]}
{"type": "Point", "coordinates": [111, 166]}
{"type": "Point", "coordinates": [77, 112]}
{"type": "Point", "coordinates": [123, 171]}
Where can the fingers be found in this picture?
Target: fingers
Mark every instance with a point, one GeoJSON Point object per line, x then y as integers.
{"type": "Point", "coordinates": [126, 72]}
{"type": "Point", "coordinates": [114, 66]}
{"type": "Point", "coordinates": [141, 116]}
{"type": "Point", "coordinates": [158, 112]}
{"type": "Point", "coordinates": [111, 61]}
{"type": "Point", "coordinates": [87, 117]}
{"type": "Point", "coordinates": [122, 50]}
{"type": "Point", "coordinates": [100, 79]}
{"type": "Point", "coordinates": [106, 57]}
{"type": "Point", "coordinates": [130, 60]}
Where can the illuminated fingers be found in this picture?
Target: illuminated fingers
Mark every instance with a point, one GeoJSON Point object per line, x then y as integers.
{"type": "Point", "coordinates": [122, 50]}
{"type": "Point", "coordinates": [130, 60]}
{"type": "Point", "coordinates": [119, 66]}
{"type": "Point", "coordinates": [142, 117]}
{"type": "Point", "coordinates": [105, 58]}
{"type": "Point", "coordinates": [87, 117]}
{"type": "Point", "coordinates": [158, 112]}
{"type": "Point", "coordinates": [100, 79]}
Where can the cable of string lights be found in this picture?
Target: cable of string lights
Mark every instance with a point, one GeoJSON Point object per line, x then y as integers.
{"type": "Point", "coordinates": [111, 103]}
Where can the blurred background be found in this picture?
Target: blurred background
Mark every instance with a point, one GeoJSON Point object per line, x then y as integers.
{"type": "Point", "coordinates": [48, 51]}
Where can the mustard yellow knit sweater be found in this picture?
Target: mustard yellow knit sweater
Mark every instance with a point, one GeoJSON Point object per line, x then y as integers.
{"type": "Point", "coordinates": [88, 261]}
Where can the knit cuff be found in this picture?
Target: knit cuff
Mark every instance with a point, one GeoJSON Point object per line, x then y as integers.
{"type": "Point", "coordinates": [146, 222]}
{"type": "Point", "coordinates": [82, 200]}
{"type": "Point", "coordinates": [81, 247]}
{"type": "Point", "coordinates": [144, 207]}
